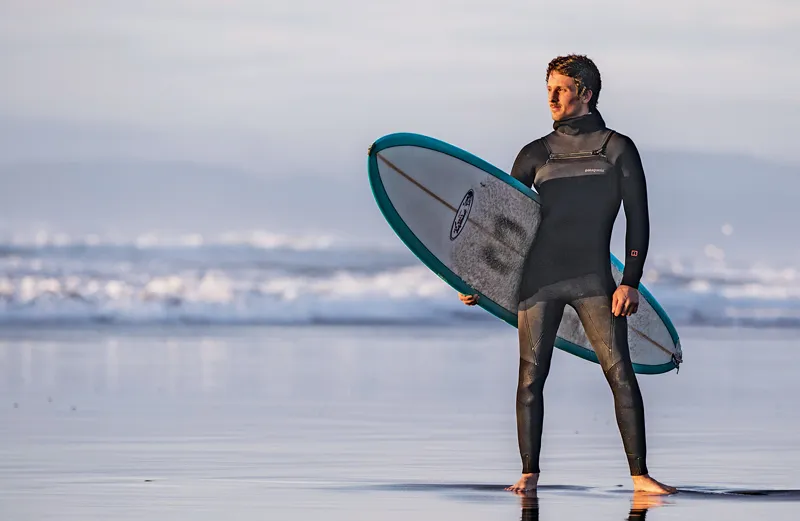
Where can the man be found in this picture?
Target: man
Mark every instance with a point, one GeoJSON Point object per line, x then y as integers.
{"type": "Point", "coordinates": [583, 172]}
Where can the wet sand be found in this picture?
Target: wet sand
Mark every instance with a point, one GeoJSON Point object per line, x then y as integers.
{"type": "Point", "coordinates": [379, 423]}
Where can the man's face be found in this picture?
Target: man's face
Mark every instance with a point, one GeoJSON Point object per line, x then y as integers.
{"type": "Point", "coordinates": [563, 97]}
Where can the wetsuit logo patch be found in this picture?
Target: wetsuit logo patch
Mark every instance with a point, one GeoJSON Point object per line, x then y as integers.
{"type": "Point", "coordinates": [595, 170]}
{"type": "Point", "coordinates": [462, 214]}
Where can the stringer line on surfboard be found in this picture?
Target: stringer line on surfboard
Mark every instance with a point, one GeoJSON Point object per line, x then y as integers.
{"type": "Point", "coordinates": [445, 203]}
{"type": "Point", "coordinates": [640, 333]}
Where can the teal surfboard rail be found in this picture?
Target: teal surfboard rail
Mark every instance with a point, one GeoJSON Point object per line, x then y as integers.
{"type": "Point", "coordinates": [434, 264]}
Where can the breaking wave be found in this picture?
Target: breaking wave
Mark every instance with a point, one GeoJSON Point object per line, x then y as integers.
{"type": "Point", "coordinates": [264, 278]}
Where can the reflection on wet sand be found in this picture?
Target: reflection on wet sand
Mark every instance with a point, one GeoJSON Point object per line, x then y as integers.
{"type": "Point", "coordinates": [530, 507]}
{"type": "Point", "coordinates": [640, 504]}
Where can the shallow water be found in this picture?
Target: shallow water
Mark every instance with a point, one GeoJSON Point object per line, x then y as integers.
{"type": "Point", "coordinates": [378, 423]}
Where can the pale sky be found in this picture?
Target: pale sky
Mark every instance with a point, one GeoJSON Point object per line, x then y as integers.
{"type": "Point", "coordinates": [283, 87]}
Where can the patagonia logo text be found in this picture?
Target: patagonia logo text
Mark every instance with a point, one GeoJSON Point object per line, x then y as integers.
{"type": "Point", "coordinates": [595, 170]}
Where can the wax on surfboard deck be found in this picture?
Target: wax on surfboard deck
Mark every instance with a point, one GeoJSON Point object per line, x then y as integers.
{"type": "Point", "coordinates": [472, 224]}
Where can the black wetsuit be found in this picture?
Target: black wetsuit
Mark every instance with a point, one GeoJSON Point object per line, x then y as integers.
{"type": "Point", "coordinates": [583, 172]}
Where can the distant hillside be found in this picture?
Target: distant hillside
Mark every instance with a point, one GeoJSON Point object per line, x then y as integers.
{"type": "Point", "coordinates": [138, 196]}
{"type": "Point", "coordinates": [691, 197]}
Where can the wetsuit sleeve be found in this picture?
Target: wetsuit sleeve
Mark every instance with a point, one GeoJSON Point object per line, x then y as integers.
{"type": "Point", "coordinates": [634, 200]}
{"type": "Point", "coordinates": [531, 157]}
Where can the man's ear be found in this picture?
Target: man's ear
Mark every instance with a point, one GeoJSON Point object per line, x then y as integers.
{"type": "Point", "coordinates": [587, 95]}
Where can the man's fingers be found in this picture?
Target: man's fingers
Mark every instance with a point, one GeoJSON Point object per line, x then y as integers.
{"type": "Point", "coordinates": [633, 308]}
{"type": "Point", "coordinates": [634, 304]}
{"type": "Point", "coordinates": [469, 300]}
{"type": "Point", "coordinates": [616, 305]}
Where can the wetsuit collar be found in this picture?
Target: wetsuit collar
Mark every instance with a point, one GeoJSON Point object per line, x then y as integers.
{"type": "Point", "coordinates": [582, 124]}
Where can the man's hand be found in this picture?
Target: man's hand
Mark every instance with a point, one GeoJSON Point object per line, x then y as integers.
{"type": "Point", "coordinates": [625, 301]}
{"type": "Point", "coordinates": [469, 300]}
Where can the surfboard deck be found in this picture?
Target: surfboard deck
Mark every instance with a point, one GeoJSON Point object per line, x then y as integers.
{"type": "Point", "coordinates": [472, 224]}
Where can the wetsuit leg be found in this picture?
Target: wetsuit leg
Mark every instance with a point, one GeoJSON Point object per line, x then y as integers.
{"type": "Point", "coordinates": [609, 337]}
{"type": "Point", "coordinates": [538, 325]}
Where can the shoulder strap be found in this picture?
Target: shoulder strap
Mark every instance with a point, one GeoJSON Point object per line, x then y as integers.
{"type": "Point", "coordinates": [602, 149]}
{"type": "Point", "coordinates": [547, 147]}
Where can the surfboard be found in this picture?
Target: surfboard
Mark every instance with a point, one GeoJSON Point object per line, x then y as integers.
{"type": "Point", "coordinates": [472, 224]}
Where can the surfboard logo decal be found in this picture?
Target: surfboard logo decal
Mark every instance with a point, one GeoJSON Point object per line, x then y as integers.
{"type": "Point", "coordinates": [462, 214]}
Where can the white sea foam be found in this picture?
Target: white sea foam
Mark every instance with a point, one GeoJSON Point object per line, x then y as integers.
{"type": "Point", "coordinates": [254, 238]}
{"type": "Point", "coordinates": [258, 277]}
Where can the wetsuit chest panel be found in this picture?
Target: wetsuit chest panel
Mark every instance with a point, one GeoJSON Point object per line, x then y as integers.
{"type": "Point", "coordinates": [573, 168]}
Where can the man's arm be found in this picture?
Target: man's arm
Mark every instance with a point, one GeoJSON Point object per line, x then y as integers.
{"type": "Point", "coordinates": [528, 159]}
{"type": "Point", "coordinates": [634, 199]}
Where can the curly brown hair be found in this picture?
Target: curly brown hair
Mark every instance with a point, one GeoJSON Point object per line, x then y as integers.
{"type": "Point", "coordinates": [582, 70]}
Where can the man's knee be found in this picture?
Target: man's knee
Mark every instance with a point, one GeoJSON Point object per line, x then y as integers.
{"type": "Point", "coordinates": [531, 383]}
{"type": "Point", "coordinates": [622, 380]}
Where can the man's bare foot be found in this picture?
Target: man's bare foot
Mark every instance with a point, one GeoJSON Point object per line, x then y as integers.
{"type": "Point", "coordinates": [648, 485]}
{"type": "Point", "coordinates": [527, 483]}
